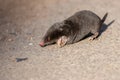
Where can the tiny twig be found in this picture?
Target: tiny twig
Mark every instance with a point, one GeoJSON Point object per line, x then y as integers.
{"type": "Point", "coordinates": [21, 59]}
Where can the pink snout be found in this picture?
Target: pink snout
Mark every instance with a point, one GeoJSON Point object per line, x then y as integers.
{"type": "Point", "coordinates": [42, 44]}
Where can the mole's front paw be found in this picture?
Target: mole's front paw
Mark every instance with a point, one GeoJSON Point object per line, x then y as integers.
{"type": "Point", "coordinates": [62, 41]}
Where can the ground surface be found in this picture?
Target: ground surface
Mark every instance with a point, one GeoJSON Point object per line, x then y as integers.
{"type": "Point", "coordinates": [24, 22]}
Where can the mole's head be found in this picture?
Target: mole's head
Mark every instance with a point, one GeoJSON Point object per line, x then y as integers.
{"type": "Point", "coordinates": [55, 33]}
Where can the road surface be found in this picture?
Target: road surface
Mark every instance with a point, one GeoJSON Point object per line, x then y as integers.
{"type": "Point", "coordinates": [24, 22]}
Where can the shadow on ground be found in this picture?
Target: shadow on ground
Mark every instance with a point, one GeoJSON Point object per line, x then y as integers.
{"type": "Point", "coordinates": [105, 26]}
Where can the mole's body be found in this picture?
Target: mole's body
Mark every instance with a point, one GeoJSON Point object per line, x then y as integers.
{"type": "Point", "coordinates": [74, 29]}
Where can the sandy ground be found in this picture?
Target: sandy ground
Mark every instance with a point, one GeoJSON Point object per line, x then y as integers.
{"type": "Point", "coordinates": [24, 22]}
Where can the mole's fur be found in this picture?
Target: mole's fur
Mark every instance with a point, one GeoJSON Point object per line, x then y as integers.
{"type": "Point", "coordinates": [74, 28]}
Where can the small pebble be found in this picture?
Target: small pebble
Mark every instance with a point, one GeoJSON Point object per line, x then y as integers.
{"type": "Point", "coordinates": [10, 40]}
{"type": "Point", "coordinates": [30, 44]}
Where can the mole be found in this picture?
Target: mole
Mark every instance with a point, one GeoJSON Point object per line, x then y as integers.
{"type": "Point", "coordinates": [74, 29]}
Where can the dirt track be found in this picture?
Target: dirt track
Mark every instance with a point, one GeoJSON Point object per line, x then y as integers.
{"type": "Point", "coordinates": [24, 22]}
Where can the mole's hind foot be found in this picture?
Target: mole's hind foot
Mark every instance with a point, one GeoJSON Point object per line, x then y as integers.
{"type": "Point", "coordinates": [91, 39]}
{"type": "Point", "coordinates": [94, 36]}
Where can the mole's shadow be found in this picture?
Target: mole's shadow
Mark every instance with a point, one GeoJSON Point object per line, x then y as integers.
{"type": "Point", "coordinates": [103, 28]}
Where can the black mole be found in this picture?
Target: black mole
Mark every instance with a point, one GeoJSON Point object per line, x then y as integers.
{"type": "Point", "coordinates": [73, 29]}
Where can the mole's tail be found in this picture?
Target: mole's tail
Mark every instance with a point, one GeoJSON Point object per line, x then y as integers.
{"type": "Point", "coordinates": [104, 18]}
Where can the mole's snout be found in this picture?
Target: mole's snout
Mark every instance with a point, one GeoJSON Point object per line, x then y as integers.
{"type": "Point", "coordinates": [42, 44]}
